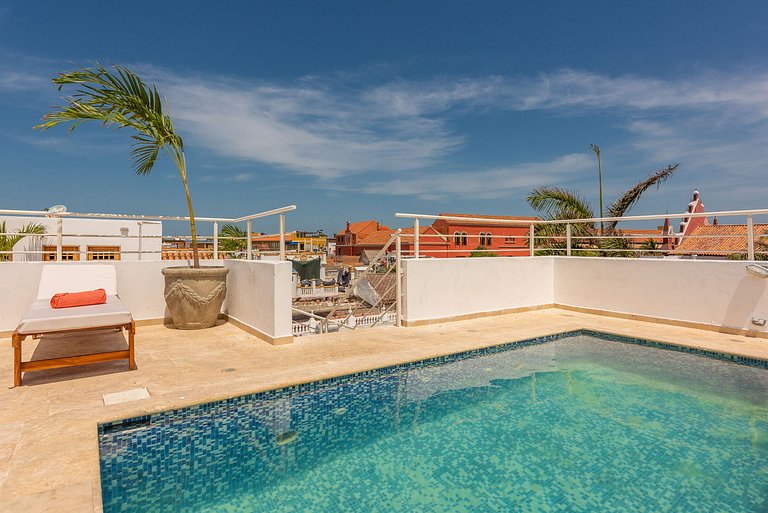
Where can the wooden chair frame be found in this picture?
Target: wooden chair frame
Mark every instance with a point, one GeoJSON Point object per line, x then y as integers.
{"type": "Point", "coordinates": [69, 361]}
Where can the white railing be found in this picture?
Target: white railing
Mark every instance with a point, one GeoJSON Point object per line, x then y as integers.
{"type": "Point", "coordinates": [213, 240]}
{"type": "Point", "coordinates": [321, 325]}
{"type": "Point", "coordinates": [566, 239]}
{"type": "Point", "coordinates": [316, 291]}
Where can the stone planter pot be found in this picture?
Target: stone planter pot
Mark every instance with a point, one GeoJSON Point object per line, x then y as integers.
{"type": "Point", "coordinates": [194, 296]}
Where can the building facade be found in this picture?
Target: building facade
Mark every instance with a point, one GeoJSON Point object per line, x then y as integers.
{"type": "Point", "coordinates": [455, 238]}
{"type": "Point", "coordinates": [87, 239]}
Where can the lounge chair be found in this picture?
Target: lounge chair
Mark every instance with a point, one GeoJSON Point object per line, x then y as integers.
{"type": "Point", "coordinates": [41, 319]}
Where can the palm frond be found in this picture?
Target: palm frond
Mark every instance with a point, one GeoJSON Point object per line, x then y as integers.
{"type": "Point", "coordinates": [8, 240]}
{"type": "Point", "coordinates": [232, 238]}
{"type": "Point", "coordinates": [559, 203]}
{"type": "Point", "coordinates": [118, 99]}
{"type": "Point", "coordinates": [627, 200]}
{"type": "Point", "coordinates": [618, 246]}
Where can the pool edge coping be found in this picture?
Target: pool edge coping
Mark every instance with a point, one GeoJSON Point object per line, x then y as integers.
{"type": "Point", "coordinates": [489, 349]}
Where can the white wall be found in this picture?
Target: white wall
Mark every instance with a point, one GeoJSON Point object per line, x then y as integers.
{"type": "Point", "coordinates": [443, 288]}
{"type": "Point", "coordinates": [719, 293]}
{"type": "Point", "coordinates": [258, 293]}
{"type": "Point", "coordinates": [259, 296]}
{"type": "Point", "coordinates": [716, 293]}
{"type": "Point", "coordinates": [139, 284]}
{"type": "Point", "coordinates": [90, 232]}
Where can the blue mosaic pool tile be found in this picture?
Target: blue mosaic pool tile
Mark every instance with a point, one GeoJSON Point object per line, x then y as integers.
{"type": "Point", "coordinates": [349, 433]}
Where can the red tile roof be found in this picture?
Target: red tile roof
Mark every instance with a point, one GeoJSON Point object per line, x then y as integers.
{"type": "Point", "coordinates": [721, 240]}
{"type": "Point", "coordinates": [471, 219]}
{"type": "Point", "coordinates": [380, 237]}
{"type": "Point", "coordinates": [377, 238]}
{"type": "Point", "coordinates": [641, 236]}
{"type": "Point", "coordinates": [272, 237]}
{"type": "Point", "coordinates": [345, 260]}
{"type": "Point", "coordinates": [363, 227]}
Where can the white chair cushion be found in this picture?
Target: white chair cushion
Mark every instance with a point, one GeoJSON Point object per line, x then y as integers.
{"type": "Point", "coordinates": [41, 318]}
{"type": "Point", "coordinates": [58, 278]}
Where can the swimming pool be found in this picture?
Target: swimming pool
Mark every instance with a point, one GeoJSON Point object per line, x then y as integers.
{"type": "Point", "coordinates": [572, 422]}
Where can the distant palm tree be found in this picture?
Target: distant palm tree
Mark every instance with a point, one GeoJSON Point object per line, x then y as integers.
{"type": "Point", "coordinates": [9, 240]}
{"type": "Point", "coordinates": [233, 239]}
{"type": "Point", "coordinates": [120, 99]}
{"type": "Point", "coordinates": [557, 203]}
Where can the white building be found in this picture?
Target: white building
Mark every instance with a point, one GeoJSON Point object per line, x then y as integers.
{"type": "Point", "coordinates": [88, 239]}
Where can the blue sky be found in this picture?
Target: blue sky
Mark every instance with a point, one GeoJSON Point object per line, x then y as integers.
{"type": "Point", "coordinates": [355, 110]}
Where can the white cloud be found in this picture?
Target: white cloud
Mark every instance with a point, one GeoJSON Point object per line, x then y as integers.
{"type": "Point", "coordinates": [406, 132]}
{"type": "Point", "coordinates": [309, 130]}
{"type": "Point", "coordinates": [487, 183]}
{"type": "Point", "coordinates": [330, 129]}
{"type": "Point", "coordinates": [570, 89]}
{"type": "Point", "coordinates": [18, 81]}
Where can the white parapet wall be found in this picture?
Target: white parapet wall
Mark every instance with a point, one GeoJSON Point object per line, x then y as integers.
{"type": "Point", "coordinates": [258, 294]}
{"type": "Point", "coordinates": [139, 284]}
{"type": "Point", "coordinates": [259, 298]}
{"type": "Point", "coordinates": [708, 294]}
{"type": "Point", "coordinates": [717, 294]}
{"type": "Point", "coordinates": [459, 288]}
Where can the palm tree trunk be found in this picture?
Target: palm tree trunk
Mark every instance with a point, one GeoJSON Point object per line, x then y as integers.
{"type": "Point", "coordinates": [193, 229]}
{"type": "Point", "coordinates": [600, 178]}
{"type": "Point", "coordinates": [596, 149]}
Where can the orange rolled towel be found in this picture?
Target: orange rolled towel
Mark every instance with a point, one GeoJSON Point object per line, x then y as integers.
{"type": "Point", "coordinates": [87, 298]}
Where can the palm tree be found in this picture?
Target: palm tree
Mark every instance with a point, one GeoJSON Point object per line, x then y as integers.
{"type": "Point", "coordinates": [120, 99]}
{"type": "Point", "coordinates": [596, 149]}
{"type": "Point", "coordinates": [557, 203]}
{"type": "Point", "coordinates": [233, 238]}
{"type": "Point", "coordinates": [8, 240]}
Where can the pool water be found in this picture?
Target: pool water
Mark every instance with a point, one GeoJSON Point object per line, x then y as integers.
{"type": "Point", "coordinates": [576, 424]}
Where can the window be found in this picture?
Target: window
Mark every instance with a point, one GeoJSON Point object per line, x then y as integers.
{"type": "Point", "coordinates": [486, 239]}
{"type": "Point", "coordinates": [103, 252]}
{"type": "Point", "coordinates": [71, 253]}
{"type": "Point", "coordinates": [463, 238]}
{"type": "Point", "coordinates": [509, 240]}
{"type": "Point", "coordinates": [456, 239]}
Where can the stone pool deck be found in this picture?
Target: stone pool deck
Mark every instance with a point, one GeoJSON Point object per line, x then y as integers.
{"type": "Point", "coordinates": [48, 440]}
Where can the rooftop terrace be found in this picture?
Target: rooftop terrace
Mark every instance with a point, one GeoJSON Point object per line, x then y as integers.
{"type": "Point", "coordinates": [48, 428]}
{"type": "Point", "coordinates": [48, 439]}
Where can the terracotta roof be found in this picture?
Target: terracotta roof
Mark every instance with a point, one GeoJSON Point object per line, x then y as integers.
{"type": "Point", "coordinates": [378, 238]}
{"type": "Point", "coordinates": [345, 260]}
{"type": "Point", "coordinates": [432, 235]}
{"type": "Point", "coordinates": [470, 218]}
{"type": "Point", "coordinates": [720, 240]}
{"type": "Point", "coordinates": [273, 237]}
{"type": "Point", "coordinates": [642, 236]}
{"type": "Point", "coordinates": [384, 284]}
{"type": "Point", "coordinates": [361, 227]}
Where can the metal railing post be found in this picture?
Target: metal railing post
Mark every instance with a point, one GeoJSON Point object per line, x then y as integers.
{"type": "Point", "coordinates": [530, 239]}
{"type": "Point", "coordinates": [141, 225]}
{"type": "Point", "coordinates": [249, 241]}
{"type": "Point", "coordinates": [282, 236]}
{"type": "Point", "coordinates": [568, 239]}
{"type": "Point", "coordinates": [750, 238]}
{"type": "Point", "coordinates": [398, 284]}
{"type": "Point", "coordinates": [59, 236]}
{"type": "Point", "coordinates": [415, 238]}
{"type": "Point", "coordinates": [215, 240]}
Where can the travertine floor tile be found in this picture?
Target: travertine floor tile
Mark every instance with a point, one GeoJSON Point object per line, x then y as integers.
{"type": "Point", "coordinates": [48, 437]}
